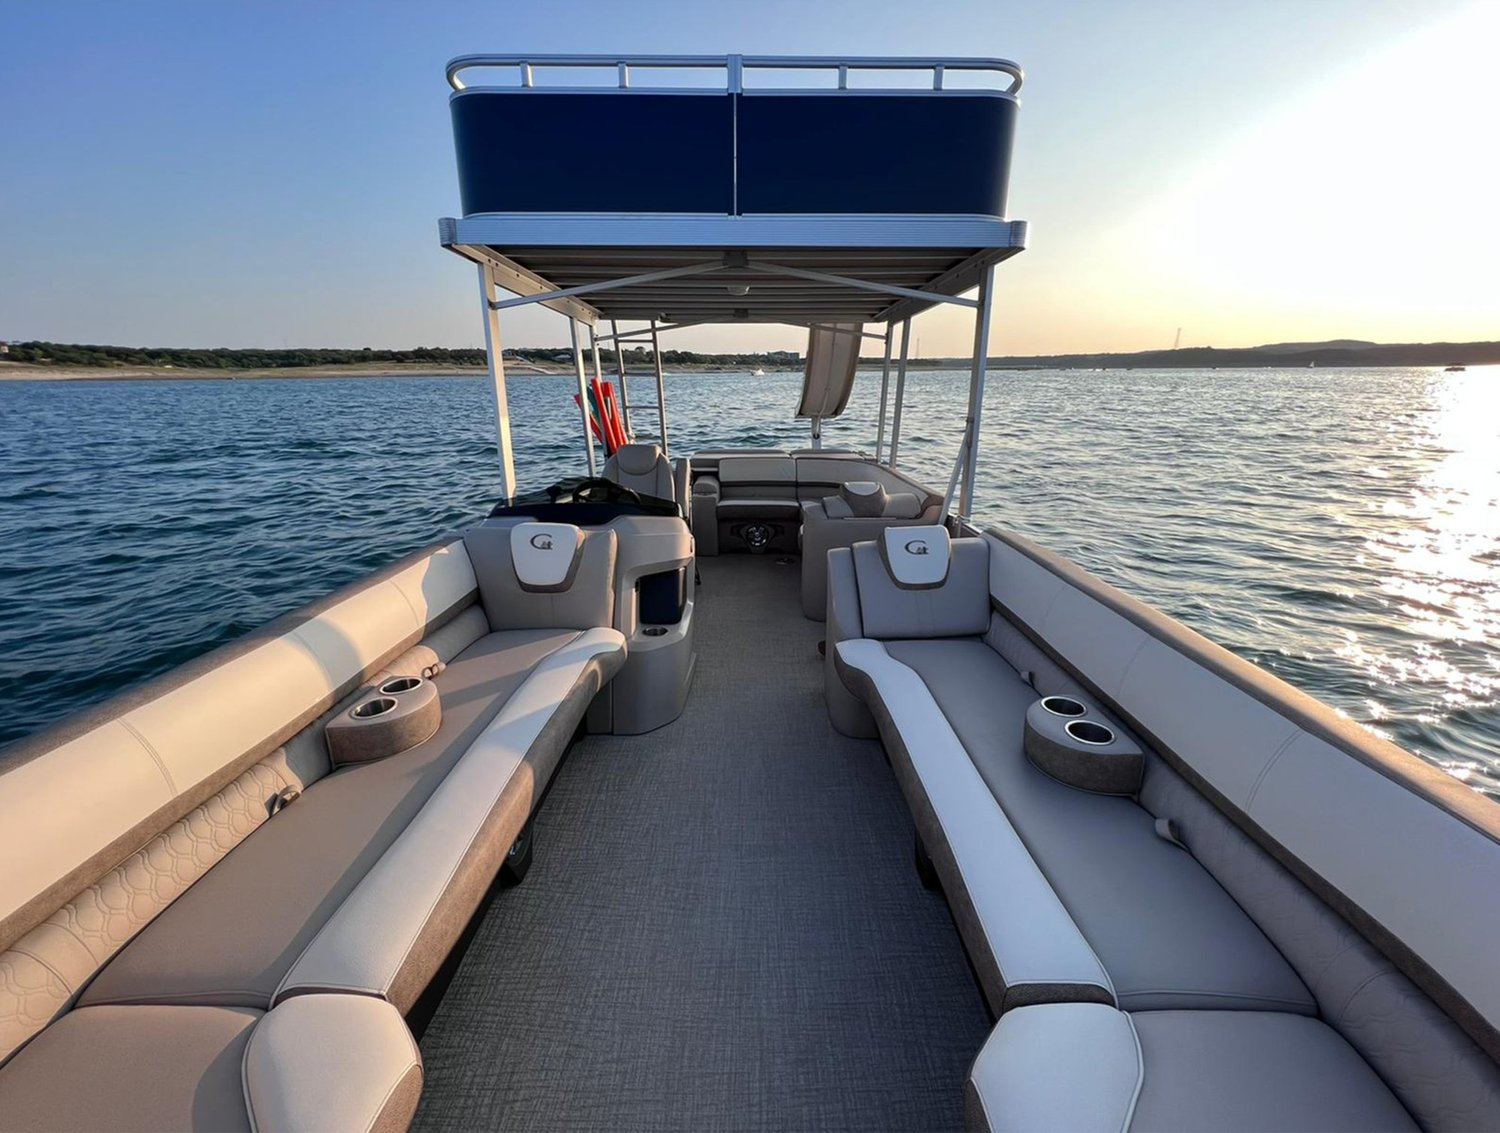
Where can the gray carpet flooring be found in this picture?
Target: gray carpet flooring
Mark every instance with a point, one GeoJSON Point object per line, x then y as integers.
{"type": "Point", "coordinates": [722, 927]}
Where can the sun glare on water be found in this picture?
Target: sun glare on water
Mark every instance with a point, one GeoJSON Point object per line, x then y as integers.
{"type": "Point", "coordinates": [1438, 556]}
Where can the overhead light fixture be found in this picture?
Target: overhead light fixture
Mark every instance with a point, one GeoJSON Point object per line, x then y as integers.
{"type": "Point", "coordinates": [738, 289]}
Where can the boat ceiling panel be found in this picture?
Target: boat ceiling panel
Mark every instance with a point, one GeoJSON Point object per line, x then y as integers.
{"type": "Point", "coordinates": [741, 284]}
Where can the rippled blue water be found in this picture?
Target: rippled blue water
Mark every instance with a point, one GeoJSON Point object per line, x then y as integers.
{"type": "Point", "coordinates": [1339, 527]}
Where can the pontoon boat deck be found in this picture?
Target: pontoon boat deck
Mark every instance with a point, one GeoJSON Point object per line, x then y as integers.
{"type": "Point", "coordinates": [742, 788]}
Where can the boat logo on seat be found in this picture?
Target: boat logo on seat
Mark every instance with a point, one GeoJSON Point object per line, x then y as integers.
{"type": "Point", "coordinates": [542, 541]}
{"type": "Point", "coordinates": [916, 547]}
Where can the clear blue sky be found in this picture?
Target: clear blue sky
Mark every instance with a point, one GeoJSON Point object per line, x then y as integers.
{"type": "Point", "coordinates": [271, 174]}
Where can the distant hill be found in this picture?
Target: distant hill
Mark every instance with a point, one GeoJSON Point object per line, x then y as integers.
{"type": "Point", "coordinates": [1301, 347]}
{"type": "Point", "coordinates": [1337, 353]}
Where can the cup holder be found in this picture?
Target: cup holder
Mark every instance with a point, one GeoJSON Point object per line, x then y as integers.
{"type": "Point", "coordinates": [654, 631]}
{"type": "Point", "coordinates": [1066, 738]}
{"type": "Point", "coordinates": [1090, 732]}
{"type": "Point", "coordinates": [1057, 705]}
{"type": "Point", "coordinates": [399, 684]}
{"type": "Point", "coordinates": [372, 708]}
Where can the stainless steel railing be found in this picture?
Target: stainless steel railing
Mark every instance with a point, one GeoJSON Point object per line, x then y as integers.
{"type": "Point", "coordinates": [733, 68]}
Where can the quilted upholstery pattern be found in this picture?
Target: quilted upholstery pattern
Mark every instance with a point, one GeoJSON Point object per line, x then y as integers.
{"type": "Point", "coordinates": [42, 971]}
{"type": "Point", "coordinates": [1443, 1079]}
{"type": "Point", "coordinates": [30, 995]}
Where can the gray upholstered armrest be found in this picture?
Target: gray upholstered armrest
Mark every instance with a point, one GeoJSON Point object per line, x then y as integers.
{"type": "Point", "coordinates": [332, 1062]}
{"type": "Point", "coordinates": [1039, 953]}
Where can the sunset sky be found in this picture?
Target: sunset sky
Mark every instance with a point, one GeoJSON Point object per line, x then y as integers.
{"type": "Point", "coordinates": [271, 174]}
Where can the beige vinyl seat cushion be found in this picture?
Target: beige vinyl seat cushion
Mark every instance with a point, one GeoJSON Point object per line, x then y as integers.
{"type": "Point", "coordinates": [1166, 932]}
{"type": "Point", "coordinates": [1075, 1066]}
{"type": "Point", "coordinates": [234, 935]}
{"type": "Point", "coordinates": [144, 1068]}
{"type": "Point", "coordinates": [316, 1062]}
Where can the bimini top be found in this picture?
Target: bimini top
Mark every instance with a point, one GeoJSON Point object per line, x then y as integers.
{"type": "Point", "coordinates": [790, 190]}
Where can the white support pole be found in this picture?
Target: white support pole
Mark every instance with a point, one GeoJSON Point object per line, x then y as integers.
{"type": "Point", "coordinates": [900, 391]}
{"type": "Point", "coordinates": [817, 432]}
{"type": "Point", "coordinates": [976, 390]}
{"type": "Point", "coordinates": [598, 372]}
{"type": "Point", "coordinates": [583, 397]}
{"type": "Point", "coordinates": [661, 391]}
{"type": "Point", "coordinates": [614, 336]}
{"type": "Point", "coordinates": [958, 466]}
{"type": "Point", "coordinates": [885, 388]}
{"type": "Point", "coordinates": [496, 364]}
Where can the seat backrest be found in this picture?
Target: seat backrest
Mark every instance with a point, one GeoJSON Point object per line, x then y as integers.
{"type": "Point", "coordinates": [1392, 844]}
{"type": "Point", "coordinates": [868, 499]}
{"type": "Point", "coordinates": [543, 575]}
{"type": "Point", "coordinates": [642, 468]}
{"type": "Point", "coordinates": [917, 582]}
{"type": "Point", "coordinates": [772, 476]}
{"type": "Point", "coordinates": [108, 815]}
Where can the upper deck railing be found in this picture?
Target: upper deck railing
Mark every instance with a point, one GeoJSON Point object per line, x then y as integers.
{"type": "Point", "coordinates": [735, 70]}
{"type": "Point", "coordinates": [733, 135]}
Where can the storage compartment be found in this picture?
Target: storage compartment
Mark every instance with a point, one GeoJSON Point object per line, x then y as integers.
{"type": "Point", "coordinates": [399, 714]}
{"type": "Point", "coordinates": [662, 597]}
{"type": "Point", "coordinates": [1066, 738]}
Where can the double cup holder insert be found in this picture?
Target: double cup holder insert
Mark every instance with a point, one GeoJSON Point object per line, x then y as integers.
{"type": "Point", "coordinates": [1065, 738]}
{"type": "Point", "coordinates": [396, 715]}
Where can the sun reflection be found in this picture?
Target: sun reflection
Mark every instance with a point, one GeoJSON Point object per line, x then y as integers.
{"type": "Point", "coordinates": [1440, 565]}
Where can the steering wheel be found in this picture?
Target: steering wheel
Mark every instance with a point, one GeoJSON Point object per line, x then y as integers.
{"type": "Point", "coordinates": [597, 490]}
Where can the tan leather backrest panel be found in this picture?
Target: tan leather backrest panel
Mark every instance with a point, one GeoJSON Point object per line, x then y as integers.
{"type": "Point", "coordinates": [62, 805]}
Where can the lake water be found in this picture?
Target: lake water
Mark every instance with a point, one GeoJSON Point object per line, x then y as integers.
{"type": "Point", "coordinates": [1339, 527]}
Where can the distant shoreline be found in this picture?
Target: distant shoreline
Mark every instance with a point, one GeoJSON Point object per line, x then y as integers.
{"type": "Point", "coordinates": [1217, 360]}
{"type": "Point", "coordinates": [61, 372]}
{"type": "Point", "coordinates": [44, 361]}
{"type": "Point", "coordinates": [27, 372]}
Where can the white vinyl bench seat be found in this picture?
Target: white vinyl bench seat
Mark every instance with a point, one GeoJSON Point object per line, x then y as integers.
{"type": "Point", "coordinates": [268, 991]}
{"type": "Point", "coordinates": [1161, 1002]}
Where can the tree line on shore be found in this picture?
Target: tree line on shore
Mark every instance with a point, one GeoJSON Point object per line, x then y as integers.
{"type": "Point", "coordinates": [177, 357]}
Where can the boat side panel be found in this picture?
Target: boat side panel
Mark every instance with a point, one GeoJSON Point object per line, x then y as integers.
{"type": "Point", "coordinates": [1403, 868]}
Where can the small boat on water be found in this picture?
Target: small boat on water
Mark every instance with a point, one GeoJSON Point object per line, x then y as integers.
{"type": "Point", "coordinates": [757, 373]}
{"type": "Point", "coordinates": [1454, 369]}
{"type": "Point", "coordinates": [745, 787]}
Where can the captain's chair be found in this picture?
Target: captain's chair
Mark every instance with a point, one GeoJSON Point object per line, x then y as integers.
{"type": "Point", "coordinates": [643, 469]}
